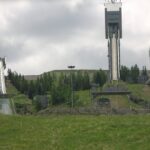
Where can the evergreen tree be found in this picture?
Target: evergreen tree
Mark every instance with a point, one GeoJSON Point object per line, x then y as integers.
{"type": "Point", "coordinates": [100, 77]}
{"type": "Point", "coordinates": [124, 73]}
{"type": "Point", "coordinates": [86, 81]}
{"type": "Point", "coordinates": [61, 92]}
{"type": "Point", "coordinates": [144, 71]}
{"type": "Point", "coordinates": [135, 73]}
{"type": "Point", "coordinates": [31, 89]}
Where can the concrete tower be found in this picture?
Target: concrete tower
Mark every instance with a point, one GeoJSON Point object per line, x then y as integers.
{"type": "Point", "coordinates": [113, 28]}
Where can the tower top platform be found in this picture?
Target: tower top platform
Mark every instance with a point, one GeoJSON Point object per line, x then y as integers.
{"type": "Point", "coordinates": [113, 6]}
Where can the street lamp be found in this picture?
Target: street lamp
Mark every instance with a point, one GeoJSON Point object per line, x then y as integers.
{"type": "Point", "coordinates": [71, 67]}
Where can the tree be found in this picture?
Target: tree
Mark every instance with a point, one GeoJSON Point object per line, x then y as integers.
{"type": "Point", "coordinates": [61, 93]}
{"type": "Point", "coordinates": [86, 81]}
{"type": "Point", "coordinates": [144, 71]}
{"type": "Point", "coordinates": [103, 77]}
{"type": "Point", "coordinates": [135, 73]}
{"type": "Point", "coordinates": [31, 89]}
{"type": "Point", "coordinates": [124, 73]}
{"type": "Point", "coordinates": [100, 77]}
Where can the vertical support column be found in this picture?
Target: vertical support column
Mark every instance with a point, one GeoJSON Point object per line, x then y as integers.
{"type": "Point", "coordinates": [109, 59]}
{"type": "Point", "coordinates": [114, 58]}
{"type": "Point", "coordinates": [2, 79]}
{"type": "Point", "coordinates": [119, 63]}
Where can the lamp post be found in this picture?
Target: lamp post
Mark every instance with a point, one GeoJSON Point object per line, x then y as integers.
{"type": "Point", "coordinates": [71, 68]}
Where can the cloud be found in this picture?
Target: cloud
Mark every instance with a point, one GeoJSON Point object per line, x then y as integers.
{"type": "Point", "coordinates": [38, 36]}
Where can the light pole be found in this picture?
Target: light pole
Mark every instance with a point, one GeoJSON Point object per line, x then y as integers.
{"type": "Point", "coordinates": [71, 67]}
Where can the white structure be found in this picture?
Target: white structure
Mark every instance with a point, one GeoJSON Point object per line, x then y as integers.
{"type": "Point", "coordinates": [113, 27]}
{"type": "Point", "coordinates": [2, 76]}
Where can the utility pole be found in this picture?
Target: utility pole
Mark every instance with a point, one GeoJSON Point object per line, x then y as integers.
{"type": "Point", "coordinates": [72, 90]}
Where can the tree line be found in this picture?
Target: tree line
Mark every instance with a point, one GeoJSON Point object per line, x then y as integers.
{"type": "Point", "coordinates": [133, 74]}
{"type": "Point", "coordinates": [59, 87]}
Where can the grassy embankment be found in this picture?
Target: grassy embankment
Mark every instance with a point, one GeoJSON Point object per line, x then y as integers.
{"type": "Point", "coordinates": [20, 101]}
{"type": "Point", "coordinates": [75, 132]}
{"type": "Point", "coordinates": [140, 90]}
{"type": "Point", "coordinates": [117, 101]}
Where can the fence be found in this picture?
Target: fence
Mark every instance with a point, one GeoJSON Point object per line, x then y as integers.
{"type": "Point", "coordinates": [92, 111]}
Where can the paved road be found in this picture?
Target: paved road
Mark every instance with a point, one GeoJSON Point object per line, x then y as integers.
{"type": "Point", "coordinates": [5, 106]}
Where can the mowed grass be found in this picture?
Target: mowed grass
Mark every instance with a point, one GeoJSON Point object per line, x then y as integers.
{"type": "Point", "coordinates": [74, 132]}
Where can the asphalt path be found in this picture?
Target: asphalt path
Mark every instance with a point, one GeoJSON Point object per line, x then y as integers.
{"type": "Point", "coordinates": [5, 106]}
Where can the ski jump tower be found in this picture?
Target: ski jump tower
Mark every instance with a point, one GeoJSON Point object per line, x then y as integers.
{"type": "Point", "coordinates": [113, 29]}
{"type": "Point", "coordinates": [2, 76]}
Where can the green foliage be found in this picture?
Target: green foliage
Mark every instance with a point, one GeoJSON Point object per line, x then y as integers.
{"type": "Point", "coordinates": [140, 91]}
{"type": "Point", "coordinates": [124, 73]}
{"type": "Point", "coordinates": [81, 81]}
{"type": "Point", "coordinates": [144, 71]}
{"type": "Point", "coordinates": [135, 73]}
{"type": "Point", "coordinates": [59, 87]}
{"type": "Point", "coordinates": [131, 74]}
{"type": "Point", "coordinates": [40, 102]}
{"type": "Point", "coordinates": [115, 84]}
{"type": "Point", "coordinates": [100, 77]}
{"type": "Point", "coordinates": [61, 93]}
{"type": "Point", "coordinates": [84, 98]}
{"type": "Point", "coordinates": [31, 88]}
{"type": "Point", "coordinates": [21, 102]}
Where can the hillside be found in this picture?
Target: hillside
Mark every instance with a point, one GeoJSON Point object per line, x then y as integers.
{"type": "Point", "coordinates": [140, 90]}
{"type": "Point", "coordinates": [21, 102]}
{"type": "Point", "coordinates": [24, 104]}
{"type": "Point", "coordinates": [59, 72]}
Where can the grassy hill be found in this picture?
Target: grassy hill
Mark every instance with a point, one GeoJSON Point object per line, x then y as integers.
{"type": "Point", "coordinates": [140, 90]}
{"type": "Point", "coordinates": [75, 132]}
{"type": "Point", "coordinates": [20, 101]}
{"type": "Point", "coordinates": [59, 72]}
{"type": "Point", "coordinates": [85, 99]}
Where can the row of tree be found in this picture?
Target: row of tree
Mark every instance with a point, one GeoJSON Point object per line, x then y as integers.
{"type": "Point", "coordinates": [58, 86]}
{"type": "Point", "coordinates": [132, 74]}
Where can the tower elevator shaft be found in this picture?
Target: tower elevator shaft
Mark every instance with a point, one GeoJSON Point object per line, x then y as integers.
{"type": "Point", "coordinates": [114, 57]}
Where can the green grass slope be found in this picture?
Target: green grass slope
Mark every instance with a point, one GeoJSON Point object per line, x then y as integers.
{"type": "Point", "coordinates": [75, 133]}
{"type": "Point", "coordinates": [140, 90]}
{"type": "Point", "coordinates": [16, 95]}
{"type": "Point", "coordinates": [117, 101]}
{"type": "Point", "coordinates": [20, 101]}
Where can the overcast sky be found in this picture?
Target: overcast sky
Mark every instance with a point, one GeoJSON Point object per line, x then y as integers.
{"type": "Point", "coordinates": [38, 36]}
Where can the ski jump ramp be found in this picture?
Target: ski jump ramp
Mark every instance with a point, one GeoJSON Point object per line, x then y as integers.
{"type": "Point", "coordinates": [2, 76]}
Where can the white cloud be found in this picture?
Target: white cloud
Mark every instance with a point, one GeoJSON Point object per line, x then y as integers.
{"type": "Point", "coordinates": [38, 36]}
